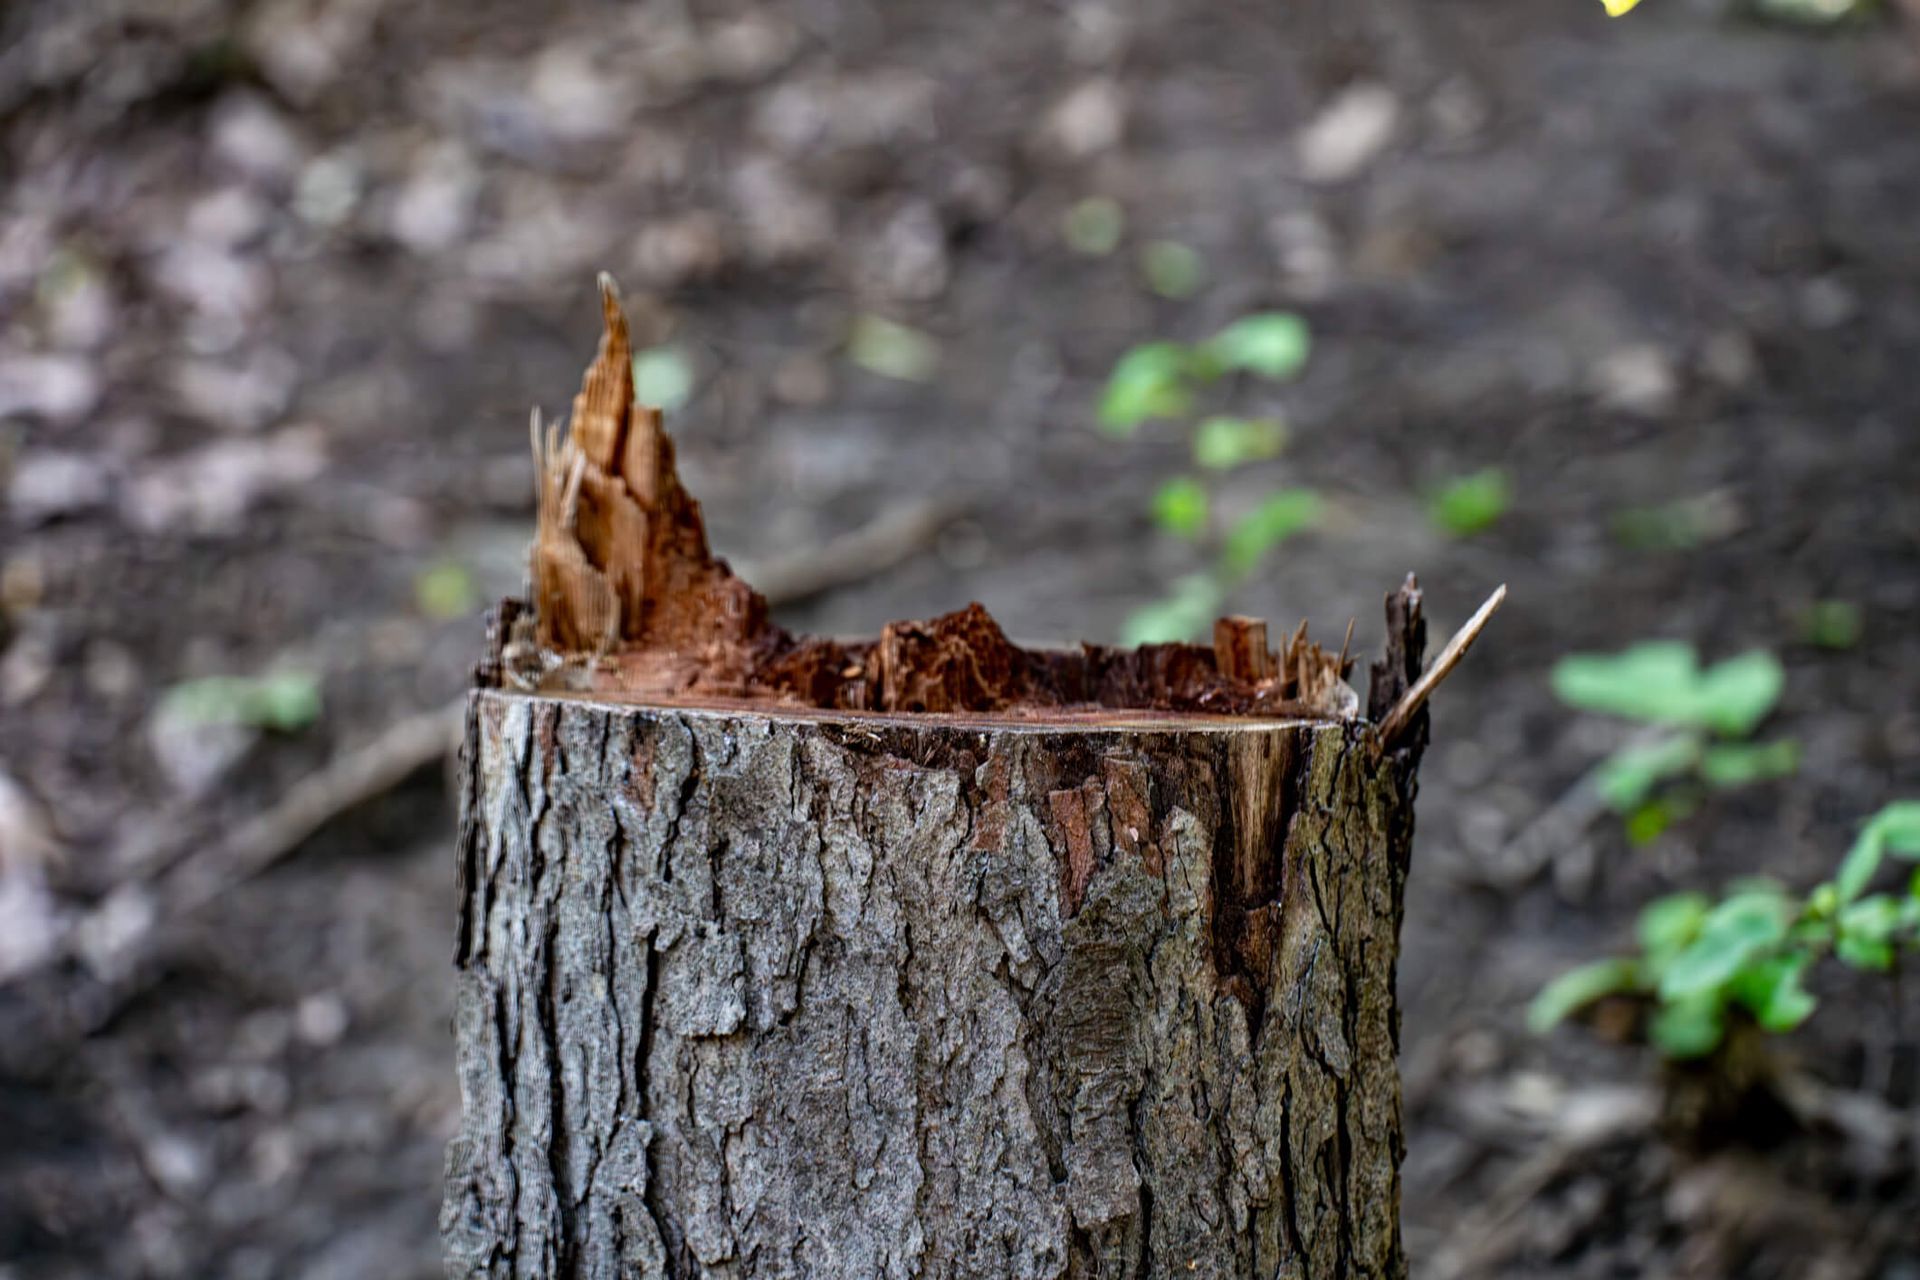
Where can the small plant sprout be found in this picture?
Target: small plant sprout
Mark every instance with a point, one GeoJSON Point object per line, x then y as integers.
{"type": "Point", "coordinates": [1831, 624]}
{"type": "Point", "coordinates": [1471, 503]}
{"type": "Point", "coordinates": [279, 700]}
{"type": "Point", "coordinates": [1093, 227]}
{"type": "Point", "coordinates": [1710, 713]}
{"type": "Point", "coordinates": [891, 349]}
{"type": "Point", "coordinates": [445, 590]}
{"type": "Point", "coordinates": [662, 378]}
{"type": "Point", "coordinates": [1149, 382]}
{"type": "Point", "coordinates": [1180, 507]}
{"type": "Point", "coordinates": [1702, 964]}
{"type": "Point", "coordinates": [1163, 381]}
{"type": "Point", "coordinates": [1222, 443]}
{"type": "Point", "coordinates": [1172, 270]}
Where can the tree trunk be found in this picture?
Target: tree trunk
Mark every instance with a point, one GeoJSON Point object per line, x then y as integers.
{"type": "Point", "coordinates": [926, 956]}
{"type": "Point", "coordinates": [764, 993]}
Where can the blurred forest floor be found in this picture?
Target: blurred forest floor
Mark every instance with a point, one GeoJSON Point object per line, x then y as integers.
{"type": "Point", "coordinates": [280, 281]}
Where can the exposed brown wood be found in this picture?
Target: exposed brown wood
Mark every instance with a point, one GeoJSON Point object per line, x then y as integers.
{"type": "Point", "coordinates": [630, 601]}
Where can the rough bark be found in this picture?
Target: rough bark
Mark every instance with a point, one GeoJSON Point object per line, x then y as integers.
{"type": "Point", "coordinates": [926, 956]}
{"type": "Point", "coordinates": [759, 994]}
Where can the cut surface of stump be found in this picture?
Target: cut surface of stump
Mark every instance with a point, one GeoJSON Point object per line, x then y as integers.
{"type": "Point", "coordinates": [929, 955]}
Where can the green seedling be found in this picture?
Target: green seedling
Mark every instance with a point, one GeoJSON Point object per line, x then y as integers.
{"type": "Point", "coordinates": [1172, 270]}
{"type": "Point", "coordinates": [662, 379]}
{"type": "Point", "coordinates": [1471, 503]}
{"type": "Point", "coordinates": [1222, 443]}
{"type": "Point", "coordinates": [1180, 507]}
{"type": "Point", "coordinates": [1711, 712]}
{"type": "Point", "coordinates": [445, 590]}
{"type": "Point", "coordinates": [1702, 963]}
{"type": "Point", "coordinates": [1163, 381]}
{"type": "Point", "coordinates": [891, 349]}
{"type": "Point", "coordinates": [1093, 227]}
{"type": "Point", "coordinates": [1831, 624]}
{"type": "Point", "coordinates": [282, 700]}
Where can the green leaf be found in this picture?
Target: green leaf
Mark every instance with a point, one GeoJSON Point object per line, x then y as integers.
{"type": "Point", "coordinates": [1831, 624]}
{"type": "Point", "coordinates": [1871, 919]}
{"type": "Point", "coordinates": [1173, 270]}
{"type": "Point", "coordinates": [1864, 953]}
{"type": "Point", "coordinates": [1274, 345]}
{"type": "Point", "coordinates": [1470, 503]}
{"type": "Point", "coordinates": [1093, 226]}
{"type": "Point", "coordinates": [282, 700]}
{"type": "Point", "coordinates": [1899, 826]}
{"type": "Point", "coordinates": [1578, 988]}
{"type": "Point", "coordinates": [1648, 821]}
{"type": "Point", "coordinates": [1184, 614]}
{"type": "Point", "coordinates": [1895, 829]}
{"type": "Point", "coordinates": [1150, 381]}
{"type": "Point", "coordinates": [1660, 681]}
{"type": "Point", "coordinates": [1668, 924]}
{"type": "Point", "coordinates": [891, 349]}
{"type": "Point", "coordinates": [1180, 507]}
{"type": "Point", "coordinates": [1739, 929]}
{"type": "Point", "coordinates": [662, 378]}
{"type": "Point", "coordinates": [1222, 443]}
{"type": "Point", "coordinates": [1626, 779]}
{"type": "Point", "coordinates": [1772, 991]}
{"type": "Point", "coordinates": [1736, 695]}
{"type": "Point", "coordinates": [1736, 764]}
{"type": "Point", "coordinates": [445, 590]}
{"type": "Point", "coordinates": [1653, 681]}
{"type": "Point", "coordinates": [1690, 1028]}
{"type": "Point", "coordinates": [1266, 526]}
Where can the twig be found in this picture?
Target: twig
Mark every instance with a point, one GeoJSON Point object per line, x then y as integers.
{"type": "Point", "coordinates": [1416, 697]}
{"type": "Point", "coordinates": [345, 782]}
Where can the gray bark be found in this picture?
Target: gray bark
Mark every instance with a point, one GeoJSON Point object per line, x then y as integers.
{"type": "Point", "coordinates": [779, 994]}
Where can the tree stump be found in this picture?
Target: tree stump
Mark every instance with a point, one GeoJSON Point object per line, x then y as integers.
{"type": "Point", "coordinates": [926, 956]}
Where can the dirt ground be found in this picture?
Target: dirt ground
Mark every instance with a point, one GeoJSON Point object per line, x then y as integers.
{"type": "Point", "coordinates": [280, 281]}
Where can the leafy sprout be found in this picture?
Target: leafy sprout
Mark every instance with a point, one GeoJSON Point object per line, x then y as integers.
{"type": "Point", "coordinates": [1471, 503]}
{"type": "Point", "coordinates": [1662, 682]}
{"type": "Point", "coordinates": [1274, 345]}
{"type": "Point", "coordinates": [1093, 226]}
{"type": "Point", "coordinates": [280, 700]}
{"type": "Point", "coordinates": [1180, 507]}
{"type": "Point", "coordinates": [891, 349]}
{"type": "Point", "coordinates": [662, 378]}
{"type": "Point", "coordinates": [1222, 442]}
{"type": "Point", "coordinates": [1266, 526]}
{"type": "Point", "coordinates": [1172, 270]}
{"type": "Point", "coordinates": [1831, 624]}
{"type": "Point", "coordinates": [1163, 380]}
{"type": "Point", "coordinates": [445, 590]}
{"type": "Point", "coordinates": [1185, 612]}
{"type": "Point", "coordinates": [1149, 382]}
{"type": "Point", "coordinates": [1710, 711]}
{"type": "Point", "coordinates": [1702, 961]}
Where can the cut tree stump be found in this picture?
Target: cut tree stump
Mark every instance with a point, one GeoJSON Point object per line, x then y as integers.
{"type": "Point", "coordinates": [926, 956]}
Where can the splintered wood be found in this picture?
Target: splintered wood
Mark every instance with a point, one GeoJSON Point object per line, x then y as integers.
{"type": "Point", "coordinates": [629, 601]}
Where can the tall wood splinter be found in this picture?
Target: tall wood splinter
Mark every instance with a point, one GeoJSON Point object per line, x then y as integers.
{"type": "Point", "coordinates": [928, 955]}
